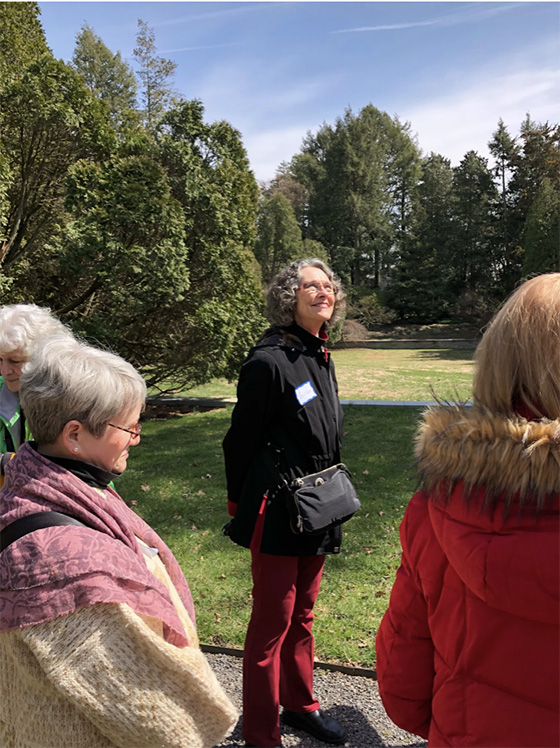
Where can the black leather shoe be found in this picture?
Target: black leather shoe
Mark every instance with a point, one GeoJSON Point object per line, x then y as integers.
{"type": "Point", "coordinates": [318, 724]}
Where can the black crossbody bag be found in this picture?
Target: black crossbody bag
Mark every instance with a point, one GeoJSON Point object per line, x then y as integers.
{"type": "Point", "coordinates": [318, 501]}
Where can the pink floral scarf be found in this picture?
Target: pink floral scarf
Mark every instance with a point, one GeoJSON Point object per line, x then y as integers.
{"type": "Point", "coordinates": [54, 571]}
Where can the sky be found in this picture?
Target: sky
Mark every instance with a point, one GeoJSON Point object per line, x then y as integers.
{"type": "Point", "coordinates": [279, 70]}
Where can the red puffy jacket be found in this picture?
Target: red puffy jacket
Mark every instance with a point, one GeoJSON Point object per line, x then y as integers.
{"type": "Point", "coordinates": [468, 651]}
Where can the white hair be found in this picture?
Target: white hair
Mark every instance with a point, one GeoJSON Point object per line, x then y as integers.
{"type": "Point", "coordinates": [68, 380]}
{"type": "Point", "coordinates": [22, 325]}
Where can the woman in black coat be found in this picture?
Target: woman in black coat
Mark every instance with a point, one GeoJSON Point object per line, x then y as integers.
{"type": "Point", "coordinates": [287, 423]}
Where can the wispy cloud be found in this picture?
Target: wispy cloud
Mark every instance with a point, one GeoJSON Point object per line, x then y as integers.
{"type": "Point", "coordinates": [271, 93]}
{"type": "Point", "coordinates": [452, 124]}
{"type": "Point", "coordinates": [204, 46]}
{"type": "Point", "coordinates": [469, 15]}
{"type": "Point", "coordinates": [216, 14]}
{"type": "Point", "coordinates": [386, 27]}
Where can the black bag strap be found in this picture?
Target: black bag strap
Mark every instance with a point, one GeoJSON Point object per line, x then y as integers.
{"type": "Point", "coordinates": [31, 522]}
{"type": "Point", "coordinates": [271, 458]}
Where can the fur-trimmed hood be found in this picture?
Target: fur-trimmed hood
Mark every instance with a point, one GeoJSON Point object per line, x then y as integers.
{"type": "Point", "coordinates": [488, 475]}
{"type": "Point", "coordinates": [505, 456]}
{"type": "Point", "coordinates": [468, 652]}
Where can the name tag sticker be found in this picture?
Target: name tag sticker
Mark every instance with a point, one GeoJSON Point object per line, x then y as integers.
{"type": "Point", "coordinates": [305, 393]}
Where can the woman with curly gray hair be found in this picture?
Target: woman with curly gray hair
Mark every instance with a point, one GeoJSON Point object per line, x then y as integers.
{"type": "Point", "coordinates": [287, 423]}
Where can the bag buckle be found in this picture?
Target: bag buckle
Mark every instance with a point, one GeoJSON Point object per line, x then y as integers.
{"type": "Point", "coordinates": [319, 481]}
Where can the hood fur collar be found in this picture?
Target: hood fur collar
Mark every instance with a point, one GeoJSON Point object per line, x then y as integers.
{"type": "Point", "coordinates": [504, 455]}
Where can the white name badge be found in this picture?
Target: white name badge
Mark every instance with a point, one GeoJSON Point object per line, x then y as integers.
{"type": "Point", "coordinates": [305, 393]}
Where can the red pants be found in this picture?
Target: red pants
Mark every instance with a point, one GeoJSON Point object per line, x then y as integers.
{"type": "Point", "coordinates": [279, 652]}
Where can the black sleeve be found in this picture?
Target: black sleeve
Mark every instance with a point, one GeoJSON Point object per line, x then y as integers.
{"type": "Point", "coordinates": [259, 392]}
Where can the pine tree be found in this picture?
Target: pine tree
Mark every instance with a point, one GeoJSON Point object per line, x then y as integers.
{"type": "Point", "coordinates": [155, 74]}
{"type": "Point", "coordinates": [476, 197]}
{"type": "Point", "coordinates": [22, 39]}
{"type": "Point", "coordinates": [505, 151]}
{"type": "Point", "coordinates": [106, 74]}
{"type": "Point", "coordinates": [542, 232]}
{"type": "Point", "coordinates": [278, 235]}
{"type": "Point", "coordinates": [420, 283]}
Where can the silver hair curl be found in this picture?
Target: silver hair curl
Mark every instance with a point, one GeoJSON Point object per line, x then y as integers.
{"type": "Point", "coordinates": [22, 325]}
{"type": "Point", "coordinates": [68, 380]}
{"type": "Point", "coordinates": [281, 293]}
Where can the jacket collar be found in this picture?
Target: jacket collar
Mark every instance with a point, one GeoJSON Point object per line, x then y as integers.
{"type": "Point", "coordinates": [505, 455]}
{"type": "Point", "coordinates": [90, 474]}
{"type": "Point", "coordinates": [292, 336]}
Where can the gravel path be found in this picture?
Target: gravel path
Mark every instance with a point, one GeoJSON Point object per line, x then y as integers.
{"type": "Point", "coordinates": [352, 700]}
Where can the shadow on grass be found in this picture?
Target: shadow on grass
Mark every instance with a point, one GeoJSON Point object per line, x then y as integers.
{"type": "Point", "coordinates": [445, 354]}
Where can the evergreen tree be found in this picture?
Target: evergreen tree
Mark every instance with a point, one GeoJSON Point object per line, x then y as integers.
{"type": "Point", "coordinates": [420, 283]}
{"type": "Point", "coordinates": [155, 74]}
{"type": "Point", "coordinates": [106, 74]}
{"type": "Point", "coordinates": [347, 170]}
{"type": "Point", "coordinates": [312, 248]}
{"type": "Point", "coordinates": [505, 151]}
{"type": "Point", "coordinates": [213, 327]}
{"type": "Point", "coordinates": [285, 184]}
{"type": "Point", "coordinates": [475, 257]}
{"type": "Point", "coordinates": [537, 159]}
{"type": "Point", "coordinates": [22, 39]}
{"type": "Point", "coordinates": [48, 120]}
{"type": "Point", "coordinates": [122, 259]}
{"type": "Point", "coordinates": [404, 171]}
{"type": "Point", "coordinates": [542, 232]}
{"type": "Point", "coordinates": [278, 235]}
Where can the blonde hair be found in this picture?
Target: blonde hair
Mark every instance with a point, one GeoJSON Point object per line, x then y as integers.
{"type": "Point", "coordinates": [68, 380]}
{"type": "Point", "coordinates": [518, 358]}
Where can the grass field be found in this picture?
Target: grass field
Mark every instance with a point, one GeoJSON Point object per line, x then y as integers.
{"type": "Point", "coordinates": [386, 374]}
{"type": "Point", "coordinates": [176, 481]}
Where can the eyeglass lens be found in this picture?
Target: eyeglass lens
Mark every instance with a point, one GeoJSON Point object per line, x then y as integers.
{"type": "Point", "coordinates": [316, 287]}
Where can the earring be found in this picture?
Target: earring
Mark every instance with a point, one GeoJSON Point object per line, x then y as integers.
{"type": "Point", "coordinates": [76, 449]}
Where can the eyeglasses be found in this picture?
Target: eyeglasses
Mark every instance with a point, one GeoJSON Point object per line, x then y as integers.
{"type": "Point", "coordinates": [135, 430]}
{"type": "Point", "coordinates": [316, 287]}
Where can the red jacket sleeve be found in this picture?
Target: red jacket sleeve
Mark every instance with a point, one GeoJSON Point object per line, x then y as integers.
{"type": "Point", "coordinates": [404, 648]}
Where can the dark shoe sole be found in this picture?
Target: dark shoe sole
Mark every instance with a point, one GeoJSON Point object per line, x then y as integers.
{"type": "Point", "coordinates": [292, 721]}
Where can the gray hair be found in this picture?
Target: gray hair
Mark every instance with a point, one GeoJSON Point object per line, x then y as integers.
{"type": "Point", "coordinates": [281, 293]}
{"type": "Point", "coordinates": [22, 325]}
{"type": "Point", "coordinates": [68, 380]}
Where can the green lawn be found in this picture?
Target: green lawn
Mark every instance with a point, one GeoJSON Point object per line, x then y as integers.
{"type": "Point", "coordinates": [386, 374]}
{"type": "Point", "coordinates": [403, 374]}
{"type": "Point", "coordinates": [175, 480]}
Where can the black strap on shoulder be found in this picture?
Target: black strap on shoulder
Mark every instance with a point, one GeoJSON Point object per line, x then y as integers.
{"type": "Point", "coordinates": [31, 522]}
